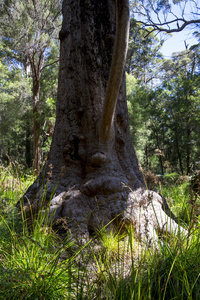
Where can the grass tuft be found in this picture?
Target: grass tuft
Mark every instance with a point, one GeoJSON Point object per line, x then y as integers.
{"type": "Point", "coordinates": [38, 264]}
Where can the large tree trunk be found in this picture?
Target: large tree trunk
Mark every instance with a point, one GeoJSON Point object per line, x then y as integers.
{"type": "Point", "coordinates": [92, 180]}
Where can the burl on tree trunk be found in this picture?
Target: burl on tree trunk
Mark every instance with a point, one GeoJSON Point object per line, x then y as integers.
{"type": "Point", "coordinates": [92, 175]}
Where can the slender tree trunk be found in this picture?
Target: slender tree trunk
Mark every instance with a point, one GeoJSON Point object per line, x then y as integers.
{"type": "Point", "coordinates": [178, 150]}
{"type": "Point", "coordinates": [28, 145]}
{"type": "Point", "coordinates": [188, 149]}
{"type": "Point", "coordinates": [36, 67]}
{"type": "Point", "coordinates": [161, 164]}
{"type": "Point", "coordinates": [160, 156]}
{"type": "Point", "coordinates": [129, 56]}
{"type": "Point", "coordinates": [88, 184]}
{"type": "Point", "coordinates": [36, 128]}
{"type": "Point", "coordinates": [147, 155]}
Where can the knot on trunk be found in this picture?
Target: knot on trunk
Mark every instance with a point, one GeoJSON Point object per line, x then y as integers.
{"type": "Point", "coordinates": [104, 185]}
{"type": "Point", "coordinates": [97, 159]}
{"type": "Point", "coordinates": [63, 34]}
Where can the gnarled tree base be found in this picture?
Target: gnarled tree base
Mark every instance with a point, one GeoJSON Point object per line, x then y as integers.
{"type": "Point", "coordinates": [105, 201]}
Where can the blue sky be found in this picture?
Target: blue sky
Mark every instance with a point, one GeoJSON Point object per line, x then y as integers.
{"type": "Point", "coordinates": [176, 43]}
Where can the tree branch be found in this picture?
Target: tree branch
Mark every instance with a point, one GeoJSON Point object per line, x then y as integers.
{"type": "Point", "coordinates": [159, 27]}
{"type": "Point", "coordinates": [54, 62]}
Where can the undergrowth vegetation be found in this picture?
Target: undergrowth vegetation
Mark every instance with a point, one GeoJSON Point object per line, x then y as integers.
{"type": "Point", "coordinates": [36, 263]}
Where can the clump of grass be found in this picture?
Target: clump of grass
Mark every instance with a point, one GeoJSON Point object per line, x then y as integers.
{"type": "Point", "coordinates": [170, 272]}
{"type": "Point", "coordinates": [177, 196]}
{"type": "Point", "coordinates": [173, 273]}
{"type": "Point", "coordinates": [13, 184]}
{"type": "Point", "coordinates": [31, 263]}
{"type": "Point", "coordinates": [34, 262]}
{"type": "Point", "coordinates": [37, 264]}
{"type": "Point", "coordinates": [111, 258]}
{"type": "Point", "coordinates": [183, 202]}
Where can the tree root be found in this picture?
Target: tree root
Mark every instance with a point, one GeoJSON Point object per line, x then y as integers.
{"type": "Point", "coordinates": [141, 208]}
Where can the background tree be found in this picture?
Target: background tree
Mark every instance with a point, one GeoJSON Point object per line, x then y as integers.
{"type": "Point", "coordinates": [28, 29]}
{"type": "Point", "coordinates": [181, 106]}
{"type": "Point", "coordinates": [173, 114]}
{"type": "Point", "coordinates": [143, 57]}
{"type": "Point", "coordinates": [138, 98]}
{"type": "Point", "coordinates": [15, 110]}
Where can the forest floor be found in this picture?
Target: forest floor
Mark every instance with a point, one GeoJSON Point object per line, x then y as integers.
{"type": "Point", "coordinates": [36, 263]}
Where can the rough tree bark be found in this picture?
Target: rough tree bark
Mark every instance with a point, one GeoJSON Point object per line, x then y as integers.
{"type": "Point", "coordinates": [92, 174]}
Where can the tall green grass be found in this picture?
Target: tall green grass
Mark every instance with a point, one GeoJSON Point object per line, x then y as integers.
{"type": "Point", "coordinates": [32, 268]}
{"type": "Point", "coordinates": [184, 203]}
{"type": "Point", "coordinates": [38, 264]}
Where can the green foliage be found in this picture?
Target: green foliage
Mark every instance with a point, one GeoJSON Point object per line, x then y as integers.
{"type": "Point", "coordinates": [171, 178]}
{"type": "Point", "coordinates": [176, 191]}
{"type": "Point", "coordinates": [28, 28]}
{"type": "Point", "coordinates": [15, 113]}
{"type": "Point", "coordinates": [13, 184]}
{"type": "Point", "coordinates": [28, 53]}
{"type": "Point", "coordinates": [164, 120]}
{"type": "Point", "coordinates": [143, 55]}
{"type": "Point", "coordinates": [138, 97]}
{"type": "Point", "coordinates": [178, 126]}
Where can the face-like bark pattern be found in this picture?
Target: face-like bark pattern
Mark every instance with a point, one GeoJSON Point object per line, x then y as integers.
{"type": "Point", "coordinates": [92, 184]}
